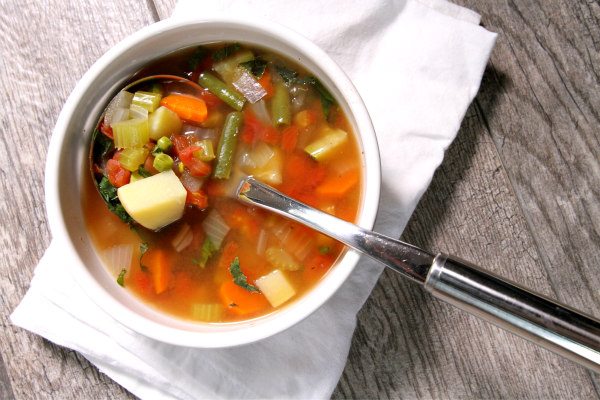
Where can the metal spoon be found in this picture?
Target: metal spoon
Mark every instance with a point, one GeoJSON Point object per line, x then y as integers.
{"type": "Point", "coordinates": [545, 322]}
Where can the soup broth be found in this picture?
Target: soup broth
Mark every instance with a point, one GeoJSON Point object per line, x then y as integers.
{"type": "Point", "coordinates": [167, 160]}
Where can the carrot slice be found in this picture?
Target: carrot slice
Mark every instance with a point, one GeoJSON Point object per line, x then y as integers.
{"type": "Point", "coordinates": [158, 263]}
{"type": "Point", "coordinates": [267, 84]}
{"type": "Point", "coordinates": [289, 138]}
{"type": "Point", "coordinates": [338, 186]}
{"type": "Point", "coordinates": [241, 301]}
{"type": "Point", "coordinates": [186, 107]}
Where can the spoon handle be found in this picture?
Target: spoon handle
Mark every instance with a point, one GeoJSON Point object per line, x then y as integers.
{"type": "Point", "coordinates": [545, 322]}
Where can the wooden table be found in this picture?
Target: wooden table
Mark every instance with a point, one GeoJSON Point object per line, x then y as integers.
{"type": "Point", "coordinates": [518, 192]}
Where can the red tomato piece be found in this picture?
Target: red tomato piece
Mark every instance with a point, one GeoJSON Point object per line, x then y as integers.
{"type": "Point", "coordinates": [198, 199]}
{"type": "Point", "coordinates": [117, 175]}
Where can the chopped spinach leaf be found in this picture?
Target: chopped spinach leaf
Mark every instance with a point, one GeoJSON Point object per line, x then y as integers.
{"type": "Point", "coordinates": [256, 66]}
{"type": "Point", "coordinates": [289, 76]}
{"type": "Point", "coordinates": [121, 277]}
{"type": "Point", "coordinates": [206, 252]}
{"type": "Point", "coordinates": [143, 249]}
{"type": "Point", "coordinates": [109, 194]}
{"type": "Point", "coordinates": [144, 172]}
{"type": "Point", "coordinates": [225, 52]}
{"type": "Point", "coordinates": [239, 278]}
{"type": "Point", "coordinates": [102, 145]}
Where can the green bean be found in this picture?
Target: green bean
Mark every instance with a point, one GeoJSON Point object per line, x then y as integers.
{"type": "Point", "coordinates": [221, 90]}
{"type": "Point", "coordinates": [280, 105]}
{"type": "Point", "coordinates": [227, 144]}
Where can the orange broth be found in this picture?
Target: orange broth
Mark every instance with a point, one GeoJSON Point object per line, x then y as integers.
{"type": "Point", "coordinates": [169, 278]}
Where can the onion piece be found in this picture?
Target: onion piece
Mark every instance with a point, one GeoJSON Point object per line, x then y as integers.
{"type": "Point", "coordinates": [247, 85]}
{"type": "Point", "coordinates": [258, 157]}
{"type": "Point", "coordinates": [215, 228]}
{"type": "Point", "coordinates": [183, 238]}
{"type": "Point", "coordinates": [117, 258]}
{"type": "Point", "coordinates": [261, 243]}
{"type": "Point", "coordinates": [121, 100]}
{"type": "Point", "coordinates": [260, 111]}
{"type": "Point", "coordinates": [190, 182]}
{"type": "Point", "coordinates": [198, 133]}
{"type": "Point", "coordinates": [295, 241]}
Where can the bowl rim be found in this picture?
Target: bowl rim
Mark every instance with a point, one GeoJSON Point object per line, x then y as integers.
{"type": "Point", "coordinates": [283, 320]}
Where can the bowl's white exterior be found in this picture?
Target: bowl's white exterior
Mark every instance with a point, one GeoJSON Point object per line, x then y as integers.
{"type": "Point", "coordinates": [67, 159]}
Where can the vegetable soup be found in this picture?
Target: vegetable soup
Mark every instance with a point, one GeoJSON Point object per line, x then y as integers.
{"type": "Point", "coordinates": [168, 156]}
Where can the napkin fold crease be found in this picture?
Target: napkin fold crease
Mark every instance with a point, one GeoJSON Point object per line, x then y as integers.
{"type": "Point", "coordinates": [417, 65]}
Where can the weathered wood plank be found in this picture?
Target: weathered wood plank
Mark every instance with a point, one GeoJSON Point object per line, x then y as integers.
{"type": "Point", "coordinates": [410, 345]}
{"type": "Point", "coordinates": [45, 48]}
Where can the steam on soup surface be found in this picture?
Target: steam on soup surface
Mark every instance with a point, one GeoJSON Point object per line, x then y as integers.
{"type": "Point", "coordinates": [167, 159]}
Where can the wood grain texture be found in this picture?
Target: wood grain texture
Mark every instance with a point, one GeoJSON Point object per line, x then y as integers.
{"type": "Point", "coordinates": [517, 193]}
{"type": "Point", "coordinates": [44, 50]}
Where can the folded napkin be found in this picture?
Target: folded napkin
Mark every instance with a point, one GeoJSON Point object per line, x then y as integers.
{"type": "Point", "coordinates": [417, 65]}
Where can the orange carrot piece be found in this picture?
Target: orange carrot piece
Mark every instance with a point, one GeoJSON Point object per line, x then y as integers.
{"type": "Point", "coordinates": [289, 138]}
{"type": "Point", "coordinates": [241, 301]}
{"type": "Point", "coordinates": [267, 84]}
{"type": "Point", "coordinates": [157, 261]}
{"type": "Point", "coordinates": [228, 254]}
{"type": "Point", "coordinates": [186, 107]}
{"type": "Point", "coordinates": [337, 186]}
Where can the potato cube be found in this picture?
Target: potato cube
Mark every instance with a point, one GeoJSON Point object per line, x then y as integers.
{"type": "Point", "coordinates": [276, 287]}
{"type": "Point", "coordinates": [155, 201]}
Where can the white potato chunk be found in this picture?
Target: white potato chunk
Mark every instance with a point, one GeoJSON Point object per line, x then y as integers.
{"type": "Point", "coordinates": [276, 287]}
{"type": "Point", "coordinates": [155, 201]}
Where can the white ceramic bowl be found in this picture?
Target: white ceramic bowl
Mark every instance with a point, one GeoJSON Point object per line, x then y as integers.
{"type": "Point", "coordinates": [67, 164]}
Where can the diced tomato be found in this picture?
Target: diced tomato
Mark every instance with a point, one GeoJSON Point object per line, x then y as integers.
{"type": "Point", "coordinates": [185, 152]}
{"type": "Point", "coordinates": [198, 199]}
{"type": "Point", "coordinates": [198, 168]}
{"type": "Point", "coordinates": [254, 130]}
{"type": "Point", "coordinates": [117, 175]}
{"type": "Point", "coordinates": [106, 130]}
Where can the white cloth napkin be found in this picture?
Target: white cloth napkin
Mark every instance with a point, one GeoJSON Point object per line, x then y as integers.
{"type": "Point", "coordinates": [417, 65]}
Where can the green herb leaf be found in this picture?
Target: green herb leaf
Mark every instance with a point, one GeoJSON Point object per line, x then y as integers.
{"type": "Point", "coordinates": [256, 66]}
{"type": "Point", "coordinates": [143, 249]}
{"type": "Point", "coordinates": [197, 57]}
{"type": "Point", "coordinates": [324, 249]}
{"type": "Point", "coordinates": [121, 277]}
{"type": "Point", "coordinates": [327, 99]}
{"type": "Point", "coordinates": [289, 76]}
{"type": "Point", "coordinates": [102, 145]}
{"type": "Point", "coordinates": [239, 278]}
{"type": "Point", "coordinates": [109, 194]}
{"type": "Point", "coordinates": [225, 52]}
{"type": "Point", "coordinates": [144, 172]}
{"type": "Point", "coordinates": [206, 252]}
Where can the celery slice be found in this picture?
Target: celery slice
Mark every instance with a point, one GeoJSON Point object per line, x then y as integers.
{"type": "Point", "coordinates": [227, 68]}
{"type": "Point", "coordinates": [148, 100]}
{"type": "Point", "coordinates": [207, 312]}
{"type": "Point", "coordinates": [206, 152]}
{"type": "Point", "coordinates": [136, 111]}
{"type": "Point", "coordinates": [131, 133]}
{"type": "Point", "coordinates": [281, 111]}
{"type": "Point", "coordinates": [163, 122]}
{"type": "Point", "coordinates": [326, 145]}
{"type": "Point", "coordinates": [133, 157]}
{"type": "Point", "coordinates": [281, 259]}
